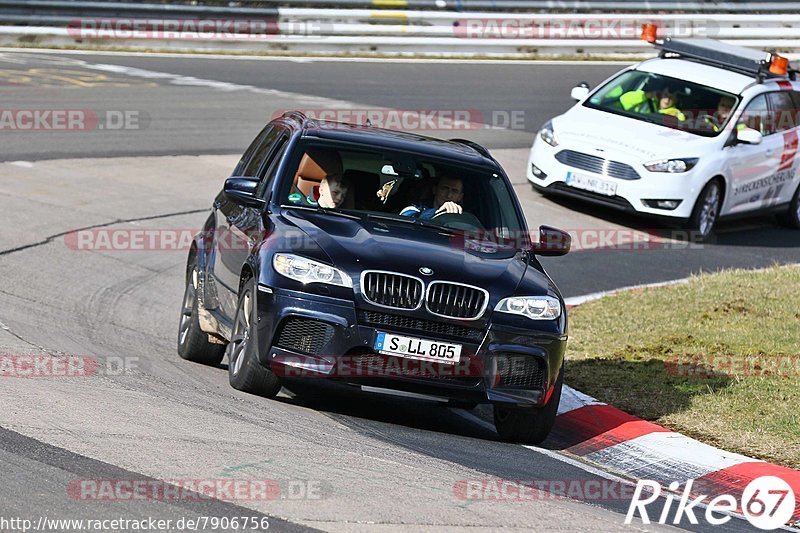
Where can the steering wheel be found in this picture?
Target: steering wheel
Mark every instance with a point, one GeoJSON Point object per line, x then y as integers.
{"type": "Point", "coordinates": [458, 220]}
{"type": "Point", "coordinates": [709, 119]}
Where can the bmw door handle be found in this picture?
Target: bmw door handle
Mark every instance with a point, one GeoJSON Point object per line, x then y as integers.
{"type": "Point", "coordinates": [770, 151]}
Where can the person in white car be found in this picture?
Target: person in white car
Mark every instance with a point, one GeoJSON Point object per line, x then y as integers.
{"type": "Point", "coordinates": [664, 101]}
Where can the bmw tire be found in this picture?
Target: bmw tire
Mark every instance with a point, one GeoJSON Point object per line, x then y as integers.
{"type": "Point", "coordinates": [245, 373]}
{"type": "Point", "coordinates": [529, 425]}
{"type": "Point", "coordinates": [194, 343]}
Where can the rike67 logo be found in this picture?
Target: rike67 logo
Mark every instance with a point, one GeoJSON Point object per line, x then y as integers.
{"type": "Point", "coordinates": [767, 503]}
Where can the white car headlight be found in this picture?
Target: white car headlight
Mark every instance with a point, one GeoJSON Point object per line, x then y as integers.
{"type": "Point", "coordinates": [673, 166]}
{"type": "Point", "coordinates": [307, 270]}
{"type": "Point", "coordinates": [533, 307]}
{"type": "Point", "coordinates": [548, 135]}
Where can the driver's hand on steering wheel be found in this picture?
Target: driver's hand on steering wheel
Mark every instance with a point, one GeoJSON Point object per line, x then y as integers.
{"type": "Point", "coordinates": [449, 207]}
{"type": "Point", "coordinates": [713, 120]}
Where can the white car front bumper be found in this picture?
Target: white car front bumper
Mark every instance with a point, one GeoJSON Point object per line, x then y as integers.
{"type": "Point", "coordinates": [635, 195]}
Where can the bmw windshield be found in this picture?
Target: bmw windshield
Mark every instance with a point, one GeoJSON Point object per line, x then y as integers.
{"type": "Point", "coordinates": [400, 187]}
{"type": "Point", "coordinates": [666, 101]}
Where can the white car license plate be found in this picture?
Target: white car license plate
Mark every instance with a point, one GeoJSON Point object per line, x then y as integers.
{"type": "Point", "coordinates": [590, 183]}
{"type": "Point", "coordinates": [413, 348]}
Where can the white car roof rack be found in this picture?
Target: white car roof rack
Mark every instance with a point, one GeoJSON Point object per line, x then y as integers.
{"type": "Point", "coordinates": [761, 65]}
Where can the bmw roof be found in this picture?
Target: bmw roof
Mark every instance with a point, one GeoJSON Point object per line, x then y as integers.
{"type": "Point", "coordinates": [464, 151]}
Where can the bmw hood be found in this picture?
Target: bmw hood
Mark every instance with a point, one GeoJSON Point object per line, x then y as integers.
{"type": "Point", "coordinates": [358, 244]}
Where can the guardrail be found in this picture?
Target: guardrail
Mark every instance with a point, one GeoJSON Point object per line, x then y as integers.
{"type": "Point", "coordinates": [573, 6]}
{"type": "Point", "coordinates": [383, 31]}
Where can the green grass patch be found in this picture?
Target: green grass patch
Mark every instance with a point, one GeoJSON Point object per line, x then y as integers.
{"type": "Point", "coordinates": [717, 359]}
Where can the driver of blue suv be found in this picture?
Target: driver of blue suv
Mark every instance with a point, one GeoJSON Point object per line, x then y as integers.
{"type": "Point", "coordinates": [448, 193]}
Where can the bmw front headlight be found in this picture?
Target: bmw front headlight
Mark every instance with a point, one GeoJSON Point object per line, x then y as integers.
{"type": "Point", "coordinates": [533, 307]}
{"type": "Point", "coordinates": [307, 270]}
{"type": "Point", "coordinates": [548, 135]}
{"type": "Point", "coordinates": [672, 166]}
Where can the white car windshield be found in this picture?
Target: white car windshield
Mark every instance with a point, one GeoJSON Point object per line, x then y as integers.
{"type": "Point", "coordinates": [666, 101]}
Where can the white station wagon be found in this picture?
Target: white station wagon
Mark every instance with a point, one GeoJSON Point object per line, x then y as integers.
{"type": "Point", "coordinates": [704, 131]}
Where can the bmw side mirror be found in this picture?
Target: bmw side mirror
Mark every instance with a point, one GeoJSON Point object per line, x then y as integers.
{"type": "Point", "coordinates": [749, 136]}
{"type": "Point", "coordinates": [552, 242]}
{"type": "Point", "coordinates": [242, 191]}
{"type": "Point", "coordinates": [580, 91]}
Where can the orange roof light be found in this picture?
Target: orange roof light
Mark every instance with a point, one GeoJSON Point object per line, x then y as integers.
{"type": "Point", "coordinates": [779, 65]}
{"type": "Point", "coordinates": [649, 33]}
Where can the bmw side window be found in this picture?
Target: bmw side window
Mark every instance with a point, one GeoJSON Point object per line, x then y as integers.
{"type": "Point", "coordinates": [248, 154]}
{"type": "Point", "coordinates": [784, 113]}
{"type": "Point", "coordinates": [271, 153]}
{"type": "Point", "coordinates": [271, 166]}
{"type": "Point", "coordinates": [261, 153]}
{"type": "Point", "coordinates": [756, 115]}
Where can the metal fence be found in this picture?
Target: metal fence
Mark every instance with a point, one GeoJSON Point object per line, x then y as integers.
{"type": "Point", "coordinates": [256, 25]}
{"type": "Point", "coordinates": [577, 6]}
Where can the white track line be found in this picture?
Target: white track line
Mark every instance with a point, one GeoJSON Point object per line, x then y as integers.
{"type": "Point", "coordinates": [7, 58]}
{"type": "Point", "coordinates": [572, 399]}
{"type": "Point", "coordinates": [303, 100]}
{"type": "Point", "coordinates": [641, 457]}
{"type": "Point", "coordinates": [665, 457]}
{"type": "Point", "coordinates": [589, 469]}
{"type": "Point", "coordinates": [578, 300]}
{"type": "Point", "coordinates": [471, 417]}
{"type": "Point", "coordinates": [309, 59]}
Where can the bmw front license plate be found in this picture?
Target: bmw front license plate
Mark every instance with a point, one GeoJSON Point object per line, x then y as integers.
{"type": "Point", "coordinates": [590, 183]}
{"type": "Point", "coordinates": [413, 348]}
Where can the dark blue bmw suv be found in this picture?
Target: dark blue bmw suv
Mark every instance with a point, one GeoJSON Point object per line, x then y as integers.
{"type": "Point", "coordinates": [379, 261]}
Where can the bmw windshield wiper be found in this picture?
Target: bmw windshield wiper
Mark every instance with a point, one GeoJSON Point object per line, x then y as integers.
{"type": "Point", "coordinates": [410, 220]}
{"type": "Point", "coordinates": [405, 220]}
{"type": "Point", "coordinates": [424, 224]}
{"type": "Point", "coordinates": [372, 216]}
{"type": "Point", "coordinates": [324, 211]}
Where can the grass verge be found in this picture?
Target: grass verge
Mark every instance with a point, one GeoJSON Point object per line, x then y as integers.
{"type": "Point", "coordinates": [717, 359]}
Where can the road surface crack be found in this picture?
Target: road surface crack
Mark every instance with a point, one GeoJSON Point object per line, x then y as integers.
{"type": "Point", "coordinates": [26, 341]}
{"type": "Point", "coordinates": [50, 239]}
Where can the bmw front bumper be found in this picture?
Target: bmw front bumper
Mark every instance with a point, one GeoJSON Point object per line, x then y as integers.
{"type": "Point", "coordinates": [307, 337]}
